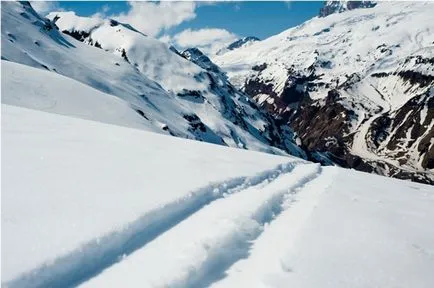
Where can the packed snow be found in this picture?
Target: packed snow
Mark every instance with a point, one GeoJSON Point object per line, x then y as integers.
{"type": "Point", "coordinates": [98, 205]}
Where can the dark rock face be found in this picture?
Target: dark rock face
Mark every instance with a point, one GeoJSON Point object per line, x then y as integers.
{"type": "Point", "coordinates": [78, 35]}
{"type": "Point", "coordinates": [195, 122]}
{"type": "Point", "coordinates": [404, 127]}
{"type": "Point", "coordinates": [415, 77]}
{"type": "Point", "coordinates": [259, 68]}
{"type": "Point", "coordinates": [191, 95]}
{"type": "Point", "coordinates": [197, 57]}
{"type": "Point", "coordinates": [124, 55]}
{"type": "Point", "coordinates": [331, 7]}
{"type": "Point", "coordinates": [257, 86]}
{"type": "Point", "coordinates": [82, 36]}
{"type": "Point", "coordinates": [241, 42]}
{"type": "Point", "coordinates": [324, 126]}
{"type": "Point", "coordinates": [174, 50]}
{"type": "Point", "coordinates": [321, 127]}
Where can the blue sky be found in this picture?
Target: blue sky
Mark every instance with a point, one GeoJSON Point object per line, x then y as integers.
{"type": "Point", "coordinates": [260, 19]}
{"type": "Point", "coordinates": [209, 26]}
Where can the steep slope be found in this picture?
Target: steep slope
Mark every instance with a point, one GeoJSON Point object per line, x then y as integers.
{"type": "Point", "coordinates": [174, 95]}
{"type": "Point", "coordinates": [37, 89]}
{"type": "Point", "coordinates": [168, 212]}
{"type": "Point", "coordinates": [205, 91]}
{"type": "Point", "coordinates": [356, 86]}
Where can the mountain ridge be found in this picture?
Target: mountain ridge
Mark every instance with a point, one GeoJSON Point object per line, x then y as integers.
{"type": "Point", "coordinates": [350, 94]}
{"type": "Point", "coordinates": [347, 83]}
{"type": "Point", "coordinates": [176, 96]}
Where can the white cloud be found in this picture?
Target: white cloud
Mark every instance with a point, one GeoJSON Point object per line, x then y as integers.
{"type": "Point", "coordinates": [166, 39]}
{"type": "Point", "coordinates": [209, 40]}
{"type": "Point", "coordinates": [44, 7]}
{"type": "Point", "coordinates": [154, 17]}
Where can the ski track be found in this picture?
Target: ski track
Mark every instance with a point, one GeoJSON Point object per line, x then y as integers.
{"type": "Point", "coordinates": [93, 257]}
{"type": "Point", "coordinates": [278, 237]}
{"type": "Point", "coordinates": [215, 267]}
{"type": "Point", "coordinates": [222, 234]}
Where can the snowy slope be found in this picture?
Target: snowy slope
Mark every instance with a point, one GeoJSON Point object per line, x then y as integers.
{"type": "Point", "coordinates": [205, 91]}
{"type": "Point", "coordinates": [355, 85]}
{"type": "Point", "coordinates": [43, 90]}
{"type": "Point", "coordinates": [107, 206]}
{"type": "Point", "coordinates": [175, 96]}
{"type": "Point", "coordinates": [92, 169]}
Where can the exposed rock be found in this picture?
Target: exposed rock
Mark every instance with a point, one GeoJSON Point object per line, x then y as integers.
{"type": "Point", "coordinates": [241, 42]}
{"type": "Point", "coordinates": [331, 7]}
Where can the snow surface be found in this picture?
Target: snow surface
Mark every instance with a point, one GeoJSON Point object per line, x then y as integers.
{"type": "Point", "coordinates": [73, 174]}
{"type": "Point", "coordinates": [107, 206]}
{"type": "Point", "coordinates": [46, 91]}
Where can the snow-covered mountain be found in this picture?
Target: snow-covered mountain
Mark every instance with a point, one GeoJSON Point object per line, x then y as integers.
{"type": "Point", "coordinates": [173, 95]}
{"type": "Point", "coordinates": [243, 42]}
{"type": "Point", "coordinates": [357, 87]}
{"type": "Point", "coordinates": [331, 7]}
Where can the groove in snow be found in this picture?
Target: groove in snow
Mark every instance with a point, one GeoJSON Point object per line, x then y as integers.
{"type": "Point", "coordinates": [93, 257]}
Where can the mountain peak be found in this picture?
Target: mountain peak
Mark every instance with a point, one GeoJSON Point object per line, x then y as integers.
{"type": "Point", "coordinates": [196, 56]}
{"type": "Point", "coordinates": [242, 42]}
{"type": "Point", "coordinates": [331, 7]}
{"type": "Point", "coordinates": [245, 41]}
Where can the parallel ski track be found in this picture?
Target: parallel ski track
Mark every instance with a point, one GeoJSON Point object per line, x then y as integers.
{"type": "Point", "coordinates": [95, 256]}
{"type": "Point", "coordinates": [222, 233]}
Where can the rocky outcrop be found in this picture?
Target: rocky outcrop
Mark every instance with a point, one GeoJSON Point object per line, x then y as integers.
{"type": "Point", "coordinates": [239, 43]}
{"type": "Point", "coordinates": [332, 7]}
{"type": "Point", "coordinates": [196, 56]}
{"type": "Point", "coordinates": [356, 88]}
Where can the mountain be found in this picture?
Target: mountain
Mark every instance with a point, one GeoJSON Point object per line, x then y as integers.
{"type": "Point", "coordinates": [356, 87]}
{"type": "Point", "coordinates": [331, 7]}
{"type": "Point", "coordinates": [172, 95]}
{"type": "Point", "coordinates": [197, 57]}
{"type": "Point", "coordinates": [242, 42]}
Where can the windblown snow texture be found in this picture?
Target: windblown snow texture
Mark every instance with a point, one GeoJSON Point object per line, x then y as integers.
{"type": "Point", "coordinates": [126, 207]}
